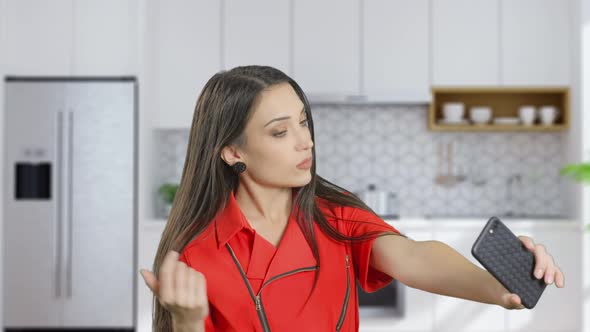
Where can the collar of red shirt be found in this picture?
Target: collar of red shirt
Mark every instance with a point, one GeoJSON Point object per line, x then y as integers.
{"type": "Point", "coordinates": [292, 253]}
{"type": "Point", "coordinates": [230, 220]}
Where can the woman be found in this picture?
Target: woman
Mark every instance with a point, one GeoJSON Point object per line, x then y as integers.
{"type": "Point", "coordinates": [256, 240]}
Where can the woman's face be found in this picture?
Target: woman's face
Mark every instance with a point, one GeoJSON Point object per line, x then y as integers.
{"type": "Point", "coordinates": [277, 139]}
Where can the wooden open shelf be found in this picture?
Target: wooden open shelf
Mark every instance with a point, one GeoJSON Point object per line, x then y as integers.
{"type": "Point", "coordinates": [504, 101]}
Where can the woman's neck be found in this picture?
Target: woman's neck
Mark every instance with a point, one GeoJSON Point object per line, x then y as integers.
{"type": "Point", "coordinates": [265, 205]}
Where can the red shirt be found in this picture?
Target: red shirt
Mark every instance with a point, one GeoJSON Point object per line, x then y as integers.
{"type": "Point", "coordinates": [232, 255]}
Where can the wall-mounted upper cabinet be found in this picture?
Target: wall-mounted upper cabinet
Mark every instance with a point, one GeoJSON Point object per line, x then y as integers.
{"type": "Point", "coordinates": [67, 37]}
{"type": "Point", "coordinates": [465, 43]}
{"type": "Point", "coordinates": [187, 41]}
{"type": "Point", "coordinates": [395, 50]}
{"type": "Point", "coordinates": [536, 42]}
{"type": "Point", "coordinates": [105, 37]}
{"type": "Point", "coordinates": [37, 37]}
{"type": "Point", "coordinates": [257, 33]}
{"type": "Point", "coordinates": [326, 47]}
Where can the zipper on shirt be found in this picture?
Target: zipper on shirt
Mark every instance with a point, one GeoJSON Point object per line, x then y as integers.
{"type": "Point", "coordinates": [345, 305]}
{"type": "Point", "coordinates": [257, 298]}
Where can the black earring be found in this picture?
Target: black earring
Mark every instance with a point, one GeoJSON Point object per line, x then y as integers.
{"type": "Point", "coordinates": [239, 167]}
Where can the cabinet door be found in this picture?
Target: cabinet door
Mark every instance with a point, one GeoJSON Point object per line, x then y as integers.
{"type": "Point", "coordinates": [536, 42]}
{"type": "Point", "coordinates": [395, 47]}
{"type": "Point", "coordinates": [257, 33]}
{"type": "Point", "coordinates": [326, 47]}
{"type": "Point", "coordinates": [105, 49]}
{"type": "Point", "coordinates": [187, 46]}
{"type": "Point", "coordinates": [418, 304]}
{"type": "Point", "coordinates": [456, 314]}
{"type": "Point", "coordinates": [465, 42]}
{"type": "Point", "coordinates": [558, 309]}
{"type": "Point", "coordinates": [38, 37]}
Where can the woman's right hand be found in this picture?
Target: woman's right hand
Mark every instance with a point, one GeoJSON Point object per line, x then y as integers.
{"type": "Point", "coordinates": [180, 289]}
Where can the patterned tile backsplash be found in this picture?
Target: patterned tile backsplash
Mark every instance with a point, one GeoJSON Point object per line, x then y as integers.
{"type": "Point", "coordinates": [390, 146]}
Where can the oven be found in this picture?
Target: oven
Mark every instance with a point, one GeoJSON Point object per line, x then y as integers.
{"type": "Point", "coordinates": [388, 301]}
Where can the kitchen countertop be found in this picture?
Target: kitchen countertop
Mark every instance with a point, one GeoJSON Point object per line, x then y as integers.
{"type": "Point", "coordinates": [449, 223]}
{"type": "Point", "coordinates": [429, 222]}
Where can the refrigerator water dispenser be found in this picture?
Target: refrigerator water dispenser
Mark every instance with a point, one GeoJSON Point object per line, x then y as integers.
{"type": "Point", "coordinates": [33, 180]}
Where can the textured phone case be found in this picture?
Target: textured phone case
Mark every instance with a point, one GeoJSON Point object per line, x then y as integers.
{"type": "Point", "coordinates": [504, 255]}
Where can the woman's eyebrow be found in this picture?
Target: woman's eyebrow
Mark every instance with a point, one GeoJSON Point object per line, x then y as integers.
{"type": "Point", "coordinates": [283, 117]}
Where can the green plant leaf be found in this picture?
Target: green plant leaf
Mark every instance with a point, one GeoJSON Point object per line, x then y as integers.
{"type": "Point", "coordinates": [578, 172]}
{"type": "Point", "coordinates": [168, 191]}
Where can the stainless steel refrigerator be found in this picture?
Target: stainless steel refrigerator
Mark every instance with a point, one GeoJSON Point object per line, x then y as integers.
{"type": "Point", "coordinates": [69, 222]}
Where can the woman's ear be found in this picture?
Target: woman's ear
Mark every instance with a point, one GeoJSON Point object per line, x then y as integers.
{"type": "Point", "coordinates": [230, 155]}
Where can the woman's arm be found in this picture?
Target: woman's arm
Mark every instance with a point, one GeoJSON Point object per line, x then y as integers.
{"type": "Point", "coordinates": [436, 267]}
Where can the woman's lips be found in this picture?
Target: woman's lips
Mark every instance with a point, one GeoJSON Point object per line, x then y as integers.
{"type": "Point", "coordinates": [305, 164]}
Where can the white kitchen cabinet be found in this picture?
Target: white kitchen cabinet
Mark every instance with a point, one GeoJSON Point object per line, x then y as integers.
{"type": "Point", "coordinates": [465, 43]}
{"type": "Point", "coordinates": [66, 37]}
{"type": "Point", "coordinates": [148, 240]}
{"type": "Point", "coordinates": [457, 314]}
{"type": "Point", "coordinates": [257, 33]}
{"type": "Point", "coordinates": [536, 42]}
{"type": "Point", "coordinates": [558, 309]}
{"type": "Point", "coordinates": [187, 46]}
{"type": "Point", "coordinates": [326, 47]}
{"type": "Point", "coordinates": [396, 50]}
{"type": "Point", "coordinates": [38, 37]}
{"type": "Point", "coordinates": [419, 304]}
{"type": "Point", "coordinates": [105, 37]}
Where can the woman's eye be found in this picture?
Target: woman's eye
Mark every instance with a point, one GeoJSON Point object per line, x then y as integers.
{"type": "Point", "coordinates": [281, 134]}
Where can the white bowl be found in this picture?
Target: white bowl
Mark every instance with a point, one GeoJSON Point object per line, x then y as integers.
{"type": "Point", "coordinates": [453, 111]}
{"type": "Point", "coordinates": [480, 114]}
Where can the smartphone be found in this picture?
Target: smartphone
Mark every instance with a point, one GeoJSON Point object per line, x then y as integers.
{"type": "Point", "coordinates": [504, 255]}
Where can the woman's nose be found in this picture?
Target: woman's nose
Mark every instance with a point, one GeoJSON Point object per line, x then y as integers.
{"type": "Point", "coordinates": [305, 140]}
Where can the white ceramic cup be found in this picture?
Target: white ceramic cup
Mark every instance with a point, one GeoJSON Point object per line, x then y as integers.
{"type": "Point", "coordinates": [526, 113]}
{"type": "Point", "coordinates": [548, 114]}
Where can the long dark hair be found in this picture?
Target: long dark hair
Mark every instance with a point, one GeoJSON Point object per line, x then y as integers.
{"type": "Point", "coordinates": [221, 113]}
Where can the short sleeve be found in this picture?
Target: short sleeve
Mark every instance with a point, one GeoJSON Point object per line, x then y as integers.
{"type": "Point", "coordinates": [209, 327]}
{"type": "Point", "coordinates": [363, 222]}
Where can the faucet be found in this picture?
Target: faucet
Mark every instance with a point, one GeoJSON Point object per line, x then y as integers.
{"type": "Point", "coordinates": [509, 181]}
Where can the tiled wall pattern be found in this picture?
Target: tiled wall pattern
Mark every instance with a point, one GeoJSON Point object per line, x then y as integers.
{"type": "Point", "coordinates": [390, 146]}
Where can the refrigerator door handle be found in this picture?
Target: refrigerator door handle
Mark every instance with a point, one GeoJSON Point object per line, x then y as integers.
{"type": "Point", "coordinates": [59, 212]}
{"type": "Point", "coordinates": [70, 190]}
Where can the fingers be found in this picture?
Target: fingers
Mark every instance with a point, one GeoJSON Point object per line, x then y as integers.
{"type": "Point", "coordinates": [150, 280]}
{"type": "Point", "coordinates": [201, 286]}
{"type": "Point", "coordinates": [181, 283]}
{"type": "Point", "coordinates": [542, 261]}
{"type": "Point", "coordinates": [180, 289]}
{"type": "Point", "coordinates": [528, 242]}
{"type": "Point", "coordinates": [166, 276]}
{"type": "Point", "coordinates": [516, 302]}
{"type": "Point", "coordinates": [559, 279]}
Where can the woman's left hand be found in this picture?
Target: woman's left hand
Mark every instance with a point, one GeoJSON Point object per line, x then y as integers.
{"type": "Point", "coordinates": [544, 268]}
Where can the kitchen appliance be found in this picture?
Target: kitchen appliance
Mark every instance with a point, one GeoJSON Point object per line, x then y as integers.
{"type": "Point", "coordinates": [70, 203]}
{"type": "Point", "coordinates": [384, 203]}
{"type": "Point", "coordinates": [388, 301]}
